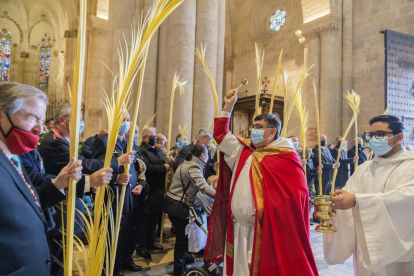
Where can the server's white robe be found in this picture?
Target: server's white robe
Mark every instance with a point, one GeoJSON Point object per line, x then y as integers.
{"type": "Point", "coordinates": [379, 230]}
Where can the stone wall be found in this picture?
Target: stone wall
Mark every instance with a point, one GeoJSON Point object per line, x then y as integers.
{"type": "Point", "coordinates": [371, 17]}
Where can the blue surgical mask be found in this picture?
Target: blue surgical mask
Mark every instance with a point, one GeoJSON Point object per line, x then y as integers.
{"type": "Point", "coordinates": [257, 136]}
{"type": "Point", "coordinates": [380, 145]}
{"type": "Point", "coordinates": [295, 144]}
{"type": "Point", "coordinates": [179, 143]}
{"type": "Point", "coordinates": [124, 128]}
{"type": "Point", "coordinates": [185, 143]}
{"type": "Point", "coordinates": [81, 127]}
{"type": "Point", "coordinates": [136, 137]}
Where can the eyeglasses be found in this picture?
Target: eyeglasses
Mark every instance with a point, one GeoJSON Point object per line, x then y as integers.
{"type": "Point", "coordinates": [258, 127]}
{"type": "Point", "coordinates": [378, 134]}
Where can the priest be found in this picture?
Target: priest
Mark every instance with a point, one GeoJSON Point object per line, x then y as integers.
{"type": "Point", "coordinates": [259, 222]}
{"type": "Point", "coordinates": [373, 209]}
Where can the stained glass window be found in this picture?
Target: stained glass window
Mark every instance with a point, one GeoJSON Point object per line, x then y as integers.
{"type": "Point", "coordinates": [277, 20]}
{"type": "Point", "coordinates": [44, 68]}
{"type": "Point", "coordinates": [5, 53]}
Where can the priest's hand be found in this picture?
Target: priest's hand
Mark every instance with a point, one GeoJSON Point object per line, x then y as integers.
{"type": "Point", "coordinates": [229, 100]}
{"type": "Point", "coordinates": [343, 200]}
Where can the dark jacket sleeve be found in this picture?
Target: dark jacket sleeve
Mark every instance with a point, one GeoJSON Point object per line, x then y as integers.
{"type": "Point", "coordinates": [87, 147]}
{"type": "Point", "coordinates": [49, 195]}
{"type": "Point", "coordinates": [342, 161]}
{"type": "Point", "coordinates": [151, 168]}
{"type": "Point", "coordinates": [326, 165]}
{"type": "Point", "coordinates": [181, 158]}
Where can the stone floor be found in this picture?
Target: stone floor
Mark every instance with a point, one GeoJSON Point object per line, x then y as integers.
{"type": "Point", "coordinates": [161, 263]}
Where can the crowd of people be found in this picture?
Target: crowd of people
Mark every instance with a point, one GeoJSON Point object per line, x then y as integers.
{"type": "Point", "coordinates": [262, 194]}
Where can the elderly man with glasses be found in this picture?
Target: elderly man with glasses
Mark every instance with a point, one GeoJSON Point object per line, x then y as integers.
{"type": "Point", "coordinates": [24, 241]}
{"type": "Point", "coordinates": [259, 222]}
{"type": "Point", "coordinates": [373, 209]}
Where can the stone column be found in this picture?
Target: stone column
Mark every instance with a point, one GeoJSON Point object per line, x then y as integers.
{"type": "Point", "coordinates": [180, 58]}
{"type": "Point", "coordinates": [221, 29]}
{"type": "Point", "coordinates": [149, 89]}
{"type": "Point", "coordinates": [330, 83]}
{"type": "Point", "coordinates": [94, 76]}
{"type": "Point", "coordinates": [162, 83]}
{"type": "Point", "coordinates": [206, 33]}
{"type": "Point", "coordinates": [312, 57]}
{"type": "Point", "coordinates": [347, 84]}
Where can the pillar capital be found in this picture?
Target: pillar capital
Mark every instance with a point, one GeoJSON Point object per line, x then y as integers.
{"type": "Point", "coordinates": [328, 24]}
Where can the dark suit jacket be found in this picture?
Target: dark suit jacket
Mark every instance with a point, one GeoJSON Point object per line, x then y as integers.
{"type": "Point", "coordinates": [99, 151]}
{"type": "Point", "coordinates": [328, 162]}
{"type": "Point", "coordinates": [362, 157]}
{"type": "Point", "coordinates": [24, 244]}
{"type": "Point", "coordinates": [209, 168]}
{"type": "Point", "coordinates": [154, 159]}
{"type": "Point", "coordinates": [55, 153]}
{"type": "Point", "coordinates": [87, 146]}
{"type": "Point", "coordinates": [343, 171]}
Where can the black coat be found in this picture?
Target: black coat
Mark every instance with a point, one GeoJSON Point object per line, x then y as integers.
{"type": "Point", "coordinates": [99, 151]}
{"type": "Point", "coordinates": [209, 168]}
{"type": "Point", "coordinates": [154, 159]}
{"type": "Point", "coordinates": [24, 244]}
{"type": "Point", "coordinates": [362, 157]}
{"type": "Point", "coordinates": [343, 171]}
{"type": "Point", "coordinates": [87, 146]}
{"type": "Point", "coordinates": [328, 163]}
{"type": "Point", "coordinates": [54, 150]}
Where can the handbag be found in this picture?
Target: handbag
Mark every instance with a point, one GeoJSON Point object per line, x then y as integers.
{"type": "Point", "coordinates": [176, 208]}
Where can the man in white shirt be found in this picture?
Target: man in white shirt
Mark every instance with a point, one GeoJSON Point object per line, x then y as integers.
{"type": "Point", "coordinates": [373, 209]}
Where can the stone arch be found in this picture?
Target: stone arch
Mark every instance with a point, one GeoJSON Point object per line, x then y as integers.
{"type": "Point", "coordinates": [42, 20]}
{"type": "Point", "coordinates": [6, 16]}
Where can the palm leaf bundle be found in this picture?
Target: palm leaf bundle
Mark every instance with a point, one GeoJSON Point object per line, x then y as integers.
{"type": "Point", "coordinates": [76, 102]}
{"type": "Point", "coordinates": [259, 67]}
{"type": "Point", "coordinates": [354, 101]}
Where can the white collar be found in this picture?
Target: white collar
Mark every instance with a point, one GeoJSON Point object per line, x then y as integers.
{"type": "Point", "coordinates": [6, 150]}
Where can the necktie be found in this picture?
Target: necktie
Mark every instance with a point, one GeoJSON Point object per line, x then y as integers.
{"type": "Point", "coordinates": [16, 162]}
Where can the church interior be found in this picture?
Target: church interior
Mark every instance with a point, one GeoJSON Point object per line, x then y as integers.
{"type": "Point", "coordinates": [345, 42]}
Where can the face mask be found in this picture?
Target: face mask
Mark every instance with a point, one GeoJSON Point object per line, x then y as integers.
{"type": "Point", "coordinates": [185, 143]}
{"type": "Point", "coordinates": [179, 143]}
{"type": "Point", "coordinates": [165, 144]}
{"type": "Point", "coordinates": [359, 146]}
{"type": "Point", "coordinates": [323, 143]}
{"type": "Point", "coordinates": [151, 141]}
{"type": "Point", "coordinates": [81, 127]}
{"type": "Point", "coordinates": [124, 128]}
{"type": "Point", "coordinates": [295, 144]}
{"type": "Point", "coordinates": [136, 137]}
{"type": "Point", "coordinates": [205, 159]}
{"type": "Point", "coordinates": [18, 140]}
{"type": "Point", "coordinates": [257, 136]}
{"type": "Point", "coordinates": [380, 145]}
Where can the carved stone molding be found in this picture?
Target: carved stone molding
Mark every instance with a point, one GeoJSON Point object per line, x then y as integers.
{"type": "Point", "coordinates": [42, 20]}
{"type": "Point", "coordinates": [98, 31]}
{"type": "Point", "coordinates": [330, 29]}
{"type": "Point", "coordinates": [311, 34]}
{"type": "Point", "coordinates": [6, 15]}
{"type": "Point", "coordinates": [71, 34]}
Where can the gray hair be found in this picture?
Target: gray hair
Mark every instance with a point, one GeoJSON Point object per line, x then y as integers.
{"type": "Point", "coordinates": [14, 96]}
{"type": "Point", "coordinates": [148, 129]}
{"type": "Point", "coordinates": [360, 139]}
{"type": "Point", "coordinates": [204, 135]}
{"type": "Point", "coordinates": [63, 110]}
